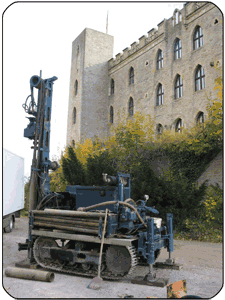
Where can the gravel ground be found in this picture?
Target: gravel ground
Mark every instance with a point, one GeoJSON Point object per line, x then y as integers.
{"type": "Point", "coordinates": [202, 269]}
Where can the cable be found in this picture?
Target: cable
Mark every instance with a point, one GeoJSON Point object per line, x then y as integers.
{"type": "Point", "coordinates": [25, 104]}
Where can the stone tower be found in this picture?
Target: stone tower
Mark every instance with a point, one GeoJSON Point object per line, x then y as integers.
{"type": "Point", "coordinates": [88, 96]}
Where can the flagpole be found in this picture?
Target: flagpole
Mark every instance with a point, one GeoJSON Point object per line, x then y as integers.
{"type": "Point", "coordinates": [107, 22]}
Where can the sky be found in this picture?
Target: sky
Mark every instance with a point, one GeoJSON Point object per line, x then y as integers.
{"type": "Point", "coordinates": [39, 36]}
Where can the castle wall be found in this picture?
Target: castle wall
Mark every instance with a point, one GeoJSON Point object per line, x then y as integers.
{"type": "Point", "coordinates": [94, 68]}
{"type": "Point", "coordinates": [142, 57]}
{"type": "Point", "coordinates": [214, 173]}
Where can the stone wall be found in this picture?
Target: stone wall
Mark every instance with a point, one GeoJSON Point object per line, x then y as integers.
{"type": "Point", "coordinates": [142, 57]}
{"type": "Point", "coordinates": [214, 172]}
{"type": "Point", "coordinates": [94, 68]}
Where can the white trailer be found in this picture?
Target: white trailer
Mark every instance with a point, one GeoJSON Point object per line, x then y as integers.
{"type": "Point", "coordinates": [13, 188]}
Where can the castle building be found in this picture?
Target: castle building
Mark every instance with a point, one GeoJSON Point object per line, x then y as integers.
{"type": "Point", "coordinates": [170, 74]}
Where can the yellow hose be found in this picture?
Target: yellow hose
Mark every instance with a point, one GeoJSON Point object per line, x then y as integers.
{"type": "Point", "coordinates": [130, 200]}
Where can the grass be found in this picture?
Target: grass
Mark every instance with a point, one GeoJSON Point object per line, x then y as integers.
{"type": "Point", "coordinates": [211, 236]}
{"type": "Point", "coordinates": [24, 213]}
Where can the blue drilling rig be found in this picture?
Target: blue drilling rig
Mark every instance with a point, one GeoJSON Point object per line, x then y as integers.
{"type": "Point", "coordinates": [66, 228]}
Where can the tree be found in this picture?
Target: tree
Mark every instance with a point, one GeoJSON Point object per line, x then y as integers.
{"type": "Point", "coordinates": [96, 165]}
{"type": "Point", "coordinates": [128, 139]}
{"type": "Point", "coordinates": [175, 194]}
{"type": "Point", "coordinates": [58, 182]}
{"type": "Point", "coordinates": [72, 168]}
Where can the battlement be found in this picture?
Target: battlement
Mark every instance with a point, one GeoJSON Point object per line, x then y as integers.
{"type": "Point", "coordinates": [135, 46]}
{"type": "Point", "coordinates": [186, 13]}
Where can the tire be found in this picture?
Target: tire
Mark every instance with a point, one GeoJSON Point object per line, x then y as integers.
{"type": "Point", "coordinates": [10, 227]}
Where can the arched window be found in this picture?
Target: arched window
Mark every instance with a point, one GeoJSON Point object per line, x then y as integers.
{"type": "Point", "coordinates": [131, 107]}
{"type": "Point", "coordinates": [74, 115]}
{"type": "Point", "coordinates": [111, 114]}
{"type": "Point", "coordinates": [199, 78]}
{"type": "Point", "coordinates": [73, 143]}
{"type": "Point", "coordinates": [200, 118]}
{"type": "Point", "coordinates": [160, 95]}
{"type": "Point", "coordinates": [159, 129]}
{"type": "Point", "coordinates": [198, 38]}
{"type": "Point", "coordinates": [112, 87]}
{"type": "Point", "coordinates": [131, 76]}
{"type": "Point", "coordinates": [76, 87]}
{"type": "Point", "coordinates": [177, 17]}
{"type": "Point", "coordinates": [160, 59]}
{"type": "Point", "coordinates": [178, 87]}
{"type": "Point", "coordinates": [177, 49]}
{"type": "Point", "coordinates": [179, 125]}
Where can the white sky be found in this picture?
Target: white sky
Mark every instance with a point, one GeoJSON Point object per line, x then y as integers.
{"type": "Point", "coordinates": [38, 36]}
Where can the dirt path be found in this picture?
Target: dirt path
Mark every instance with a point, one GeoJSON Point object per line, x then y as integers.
{"type": "Point", "coordinates": [202, 268]}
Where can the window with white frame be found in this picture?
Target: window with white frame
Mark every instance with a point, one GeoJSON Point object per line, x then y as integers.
{"type": "Point", "coordinates": [179, 125]}
{"type": "Point", "coordinates": [177, 49]}
{"type": "Point", "coordinates": [178, 87]}
{"type": "Point", "coordinates": [160, 59]}
{"type": "Point", "coordinates": [199, 78]}
{"type": "Point", "coordinates": [160, 95]}
{"type": "Point", "coordinates": [198, 38]}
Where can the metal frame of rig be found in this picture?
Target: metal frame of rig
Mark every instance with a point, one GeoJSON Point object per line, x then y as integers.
{"type": "Point", "coordinates": [65, 229]}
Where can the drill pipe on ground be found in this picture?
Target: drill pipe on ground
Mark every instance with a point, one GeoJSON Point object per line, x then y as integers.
{"type": "Point", "coordinates": [30, 274]}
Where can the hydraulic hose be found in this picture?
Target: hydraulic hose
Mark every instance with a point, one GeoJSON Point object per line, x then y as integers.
{"type": "Point", "coordinates": [130, 200]}
{"type": "Point", "coordinates": [114, 202]}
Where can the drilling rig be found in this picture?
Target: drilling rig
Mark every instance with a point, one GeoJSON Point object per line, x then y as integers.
{"type": "Point", "coordinates": [66, 228]}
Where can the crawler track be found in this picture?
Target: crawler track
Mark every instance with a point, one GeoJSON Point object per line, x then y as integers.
{"type": "Point", "coordinates": [49, 263]}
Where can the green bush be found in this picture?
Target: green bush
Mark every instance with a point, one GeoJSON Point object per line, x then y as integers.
{"type": "Point", "coordinates": [175, 195]}
{"type": "Point", "coordinates": [214, 207]}
{"type": "Point", "coordinates": [200, 231]}
{"type": "Point", "coordinates": [96, 165]}
{"type": "Point", "coordinates": [208, 226]}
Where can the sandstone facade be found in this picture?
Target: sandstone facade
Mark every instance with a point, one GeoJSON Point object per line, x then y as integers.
{"type": "Point", "coordinates": [170, 74]}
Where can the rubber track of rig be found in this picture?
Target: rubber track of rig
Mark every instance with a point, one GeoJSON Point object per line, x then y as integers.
{"type": "Point", "coordinates": [80, 272]}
